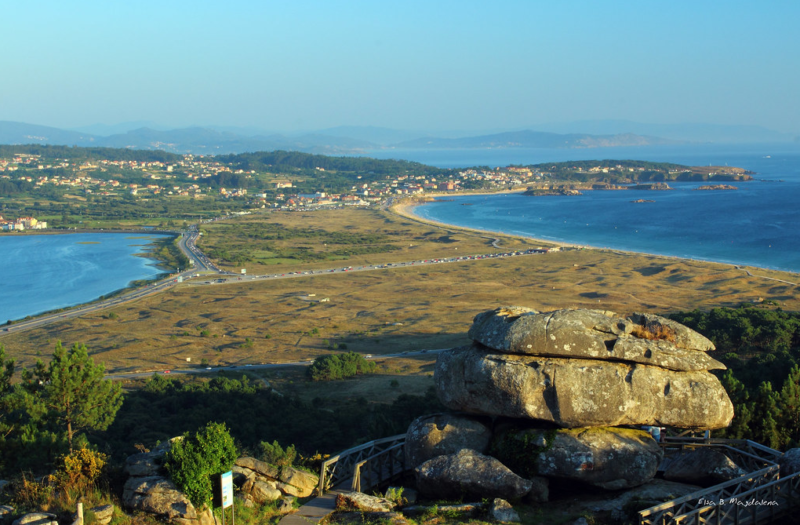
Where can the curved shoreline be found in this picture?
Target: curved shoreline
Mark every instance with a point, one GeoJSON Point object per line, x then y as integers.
{"type": "Point", "coordinates": [405, 210]}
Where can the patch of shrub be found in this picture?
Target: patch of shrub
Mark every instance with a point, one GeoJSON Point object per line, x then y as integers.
{"type": "Point", "coordinates": [193, 460]}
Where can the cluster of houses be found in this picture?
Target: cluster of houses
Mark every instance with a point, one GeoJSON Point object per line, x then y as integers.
{"type": "Point", "coordinates": [23, 223]}
{"type": "Point", "coordinates": [87, 176]}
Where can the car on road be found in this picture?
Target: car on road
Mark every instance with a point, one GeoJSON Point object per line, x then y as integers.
{"type": "Point", "coordinates": [167, 371]}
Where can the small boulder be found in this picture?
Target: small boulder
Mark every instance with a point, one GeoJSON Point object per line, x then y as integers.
{"type": "Point", "coordinates": [363, 502]}
{"type": "Point", "coordinates": [703, 466]}
{"type": "Point", "coordinates": [502, 511]}
{"type": "Point", "coordinates": [103, 514]}
{"type": "Point", "coordinates": [468, 473]}
{"type": "Point", "coordinates": [305, 481]}
{"type": "Point", "coordinates": [291, 490]}
{"type": "Point", "coordinates": [287, 505]}
{"type": "Point", "coordinates": [37, 518]}
{"type": "Point", "coordinates": [4, 484]}
{"type": "Point", "coordinates": [5, 510]}
{"type": "Point", "coordinates": [442, 434]}
{"type": "Point", "coordinates": [265, 469]}
{"type": "Point", "coordinates": [265, 491]}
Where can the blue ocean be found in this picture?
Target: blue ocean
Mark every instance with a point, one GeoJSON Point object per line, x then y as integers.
{"type": "Point", "coordinates": [757, 225]}
{"type": "Point", "coordinates": [46, 272]}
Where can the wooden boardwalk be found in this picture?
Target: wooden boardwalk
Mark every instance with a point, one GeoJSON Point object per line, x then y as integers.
{"type": "Point", "coordinates": [315, 510]}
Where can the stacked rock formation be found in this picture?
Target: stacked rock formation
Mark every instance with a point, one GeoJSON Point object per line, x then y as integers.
{"type": "Point", "coordinates": [556, 384]}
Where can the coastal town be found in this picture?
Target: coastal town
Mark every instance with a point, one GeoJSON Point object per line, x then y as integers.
{"type": "Point", "coordinates": [196, 177]}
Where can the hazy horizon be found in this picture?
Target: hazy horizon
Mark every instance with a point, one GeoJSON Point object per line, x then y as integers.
{"type": "Point", "coordinates": [454, 67]}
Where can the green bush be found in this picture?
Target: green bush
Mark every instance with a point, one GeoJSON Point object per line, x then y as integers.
{"type": "Point", "coordinates": [193, 460]}
{"type": "Point", "coordinates": [340, 366]}
{"type": "Point", "coordinates": [275, 455]}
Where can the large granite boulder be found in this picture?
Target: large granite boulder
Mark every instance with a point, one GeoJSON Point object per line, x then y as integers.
{"type": "Point", "coordinates": [579, 392]}
{"type": "Point", "coordinates": [703, 466]}
{"type": "Point", "coordinates": [610, 458]}
{"type": "Point", "coordinates": [442, 434]}
{"type": "Point", "coordinates": [469, 474]}
{"type": "Point", "coordinates": [594, 334]}
{"type": "Point", "coordinates": [157, 495]}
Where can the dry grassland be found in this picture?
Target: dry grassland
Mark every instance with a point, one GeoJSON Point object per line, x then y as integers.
{"type": "Point", "coordinates": [390, 310]}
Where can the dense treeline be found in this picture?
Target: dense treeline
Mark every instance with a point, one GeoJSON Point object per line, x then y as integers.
{"type": "Point", "coordinates": [281, 161]}
{"type": "Point", "coordinates": [761, 349]}
{"type": "Point", "coordinates": [77, 153]}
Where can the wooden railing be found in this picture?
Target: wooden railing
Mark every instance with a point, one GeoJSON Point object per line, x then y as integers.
{"type": "Point", "coordinates": [387, 465]}
{"type": "Point", "coordinates": [760, 496]}
{"type": "Point", "coordinates": [351, 463]}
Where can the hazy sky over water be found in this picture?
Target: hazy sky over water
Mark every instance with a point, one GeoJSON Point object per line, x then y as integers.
{"type": "Point", "coordinates": [410, 64]}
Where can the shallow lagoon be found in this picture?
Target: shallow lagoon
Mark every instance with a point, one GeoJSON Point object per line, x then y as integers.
{"type": "Point", "coordinates": [47, 272]}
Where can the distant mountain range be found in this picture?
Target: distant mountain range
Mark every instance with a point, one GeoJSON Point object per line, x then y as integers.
{"type": "Point", "coordinates": [348, 140]}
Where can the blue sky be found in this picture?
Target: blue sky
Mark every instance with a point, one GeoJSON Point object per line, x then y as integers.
{"type": "Point", "coordinates": [409, 64]}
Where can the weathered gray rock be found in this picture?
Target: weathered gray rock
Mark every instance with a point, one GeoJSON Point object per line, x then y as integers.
{"type": "Point", "coordinates": [103, 514]}
{"type": "Point", "coordinates": [305, 481]}
{"type": "Point", "coordinates": [685, 337]}
{"type": "Point", "coordinates": [260, 467]}
{"type": "Point", "coordinates": [149, 463]}
{"type": "Point", "coordinates": [610, 458]}
{"type": "Point", "coordinates": [592, 334]}
{"type": "Point", "coordinates": [264, 491]}
{"type": "Point", "coordinates": [502, 511]}
{"type": "Point", "coordinates": [291, 490]}
{"type": "Point", "coordinates": [442, 434]}
{"type": "Point", "coordinates": [157, 495]}
{"type": "Point", "coordinates": [579, 392]}
{"type": "Point", "coordinates": [4, 484]}
{"type": "Point", "coordinates": [36, 518]}
{"type": "Point", "coordinates": [5, 510]}
{"type": "Point", "coordinates": [287, 505]}
{"type": "Point", "coordinates": [145, 464]}
{"type": "Point", "coordinates": [790, 462]}
{"type": "Point", "coordinates": [540, 490]}
{"type": "Point", "coordinates": [468, 473]}
{"type": "Point", "coordinates": [703, 466]}
{"type": "Point", "coordinates": [363, 502]}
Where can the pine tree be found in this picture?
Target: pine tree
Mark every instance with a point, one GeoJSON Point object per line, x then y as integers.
{"type": "Point", "coordinates": [742, 407]}
{"type": "Point", "coordinates": [71, 392]}
{"type": "Point", "coordinates": [766, 415]}
{"type": "Point", "coordinates": [790, 407]}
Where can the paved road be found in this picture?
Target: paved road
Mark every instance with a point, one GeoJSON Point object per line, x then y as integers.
{"type": "Point", "coordinates": [262, 366]}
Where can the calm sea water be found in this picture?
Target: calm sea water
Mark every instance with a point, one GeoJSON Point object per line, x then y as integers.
{"type": "Point", "coordinates": [46, 272]}
{"type": "Point", "coordinates": [757, 225]}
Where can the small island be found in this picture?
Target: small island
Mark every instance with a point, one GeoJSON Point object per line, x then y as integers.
{"type": "Point", "coordinates": [717, 187]}
{"type": "Point", "coordinates": [643, 200]}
